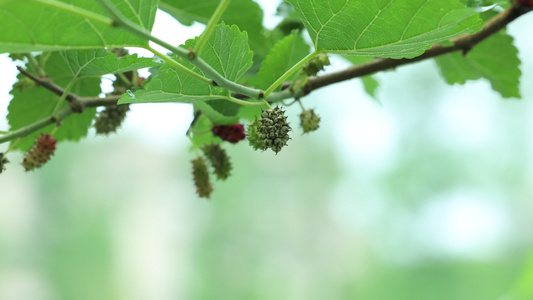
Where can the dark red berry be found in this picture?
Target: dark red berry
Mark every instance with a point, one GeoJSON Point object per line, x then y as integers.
{"type": "Point", "coordinates": [526, 3]}
{"type": "Point", "coordinates": [231, 133]}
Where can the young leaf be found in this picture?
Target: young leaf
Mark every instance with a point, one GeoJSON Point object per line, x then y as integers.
{"type": "Point", "coordinates": [227, 51]}
{"type": "Point", "coordinates": [495, 59]}
{"type": "Point", "coordinates": [38, 26]}
{"type": "Point", "coordinates": [246, 14]}
{"type": "Point", "coordinates": [285, 54]}
{"type": "Point", "coordinates": [392, 28]}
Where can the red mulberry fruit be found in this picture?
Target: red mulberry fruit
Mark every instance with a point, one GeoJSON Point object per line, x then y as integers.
{"type": "Point", "coordinates": [231, 133]}
{"type": "Point", "coordinates": [40, 153]}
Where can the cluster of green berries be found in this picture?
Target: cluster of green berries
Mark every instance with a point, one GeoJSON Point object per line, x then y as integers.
{"type": "Point", "coordinates": [309, 120]}
{"type": "Point", "coordinates": [110, 119]}
{"type": "Point", "coordinates": [273, 129]}
{"type": "Point", "coordinates": [219, 160]}
{"type": "Point", "coordinates": [40, 153]}
{"type": "Point", "coordinates": [201, 178]}
{"type": "Point", "coordinates": [316, 64]}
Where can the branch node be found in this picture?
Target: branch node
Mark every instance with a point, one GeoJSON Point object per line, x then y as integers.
{"type": "Point", "coordinates": [192, 54]}
{"type": "Point", "coordinates": [465, 50]}
{"type": "Point", "coordinates": [76, 106]}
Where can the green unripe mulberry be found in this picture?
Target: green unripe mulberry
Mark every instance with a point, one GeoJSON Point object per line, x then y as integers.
{"type": "Point", "coordinates": [254, 137]}
{"type": "Point", "coordinates": [218, 159]}
{"type": "Point", "coordinates": [201, 178]}
{"type": "Point", "coordinates": [316, 65]}
{"type": "Point", "coordinates": [110, 119]}
{"type": "Point", "coordinates": [274, 129]}
{"type": "Point", "coordinates": [309, 120]}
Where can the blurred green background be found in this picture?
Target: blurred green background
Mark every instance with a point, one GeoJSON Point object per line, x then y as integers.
{"type": "Point", "coordinates": [425, 195]}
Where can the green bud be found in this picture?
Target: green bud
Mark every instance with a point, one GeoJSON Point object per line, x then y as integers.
{"type": "Point", "coordinates": [309, 120]}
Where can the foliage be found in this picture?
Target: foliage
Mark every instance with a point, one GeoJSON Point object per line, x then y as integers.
{"type": "Point", "coordinates": [236, 69]}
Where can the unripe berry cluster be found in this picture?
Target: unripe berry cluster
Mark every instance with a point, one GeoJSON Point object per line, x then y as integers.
{"type": "Point", "coordinates": [254, 137]}
{"type": "Point", "coordinates": [201, 178]}
{"type": "Point", "coordinates": [110, 119]}
{"type": "Point", "coordinates": [316, 64]}
{"type": "Point", "coordinates": [274, 129]}
{"type": "Point", "coordinates": [309, 120]}
{"type": "Point", "coordinates": [40, 153]}
{"type": "Point", "coordinates": [218, 159]}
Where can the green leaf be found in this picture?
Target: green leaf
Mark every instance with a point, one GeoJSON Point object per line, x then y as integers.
{"type": "Point", "coordinates": [227, 51]}
{"type": "Point", "coordinates": [384, 28]}
{"type": "Point", "coordinates": [246, 14]}
{"type": "Point", "coordinates": [95, 62]}
{"type": "Point", "coordinates": [201, 132]}
{"type": "Point", "coordinates": [369, 83]}
{"type": "Point", "coordinates": [495, 59]}
{"type": "Point", "coordinates": [36, 26]}
{"type": "Point", "coordinates": [285, 54]}
{"type": "Point", "coordinates": [32, 104]}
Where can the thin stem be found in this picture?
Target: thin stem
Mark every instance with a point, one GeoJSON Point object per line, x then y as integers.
{"type": "Point", "coordinates": [267, 104]}
{"type": "Point", "coordinates": [243, 102]}
{"type": "Point", "coordinates": [12, 146]}
{"type": "Point", "coordinates": [124, 79]}
{"type": "Point", "coordinates": [35, 65]}
{"type": "Point", "coordinates": [47, 84]}
{"type": "Point", "coordinates": [291, 71]}
{"type": "Point", "coordinates": [179, 66]}
{"type": "Point", "coordinates": [134, 78]}
{"type": "Point", "coordinates": [301, 104]}
{"type": "Point", "coordinates": [63, 96]}
{"type": "Point", "coordinates": [77, 10]}
{"type": "Point", "coordinates": [27, 130]}
{"type": "Point", "coordinates": [221, 8]}
{"type": "Point", "coordinates": [4, 132]}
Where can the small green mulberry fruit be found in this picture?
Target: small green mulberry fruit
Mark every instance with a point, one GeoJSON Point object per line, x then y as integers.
{"type": "Point", "coordinates": [110, 119]}
{"type": "Point", "coordinates": [274, 129]}
{"type": "Point", "coordinates": [254, 137]}
{"type": "Point", "coordinates": [3, 162]}
{"type": "Point", "coordinates": [309, 120]}
{"type": "Point", "coordinates": [316, 64]}
{"type": "Point", "coordinates": [40, 153]}
{"type": "Point", "coordinates": [201, 178]}
{"type": "Point", "coordinates": [218, 159]}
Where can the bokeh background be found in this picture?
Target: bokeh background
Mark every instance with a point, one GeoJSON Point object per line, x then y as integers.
{"type": "Point", "coordinates": [423, 193]}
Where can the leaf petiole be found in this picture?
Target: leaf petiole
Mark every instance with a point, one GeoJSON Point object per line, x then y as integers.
{"type": "Point", "coordinates": [245, 103]}
{"type": "Point", "coordinates": [64, 96]}
{"type": "Point", "coordinates": [289, 72]}
{"type": "Point", "coordinates": [179, 66]}
{"type": "Point", "coordinates": [221, 8]}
